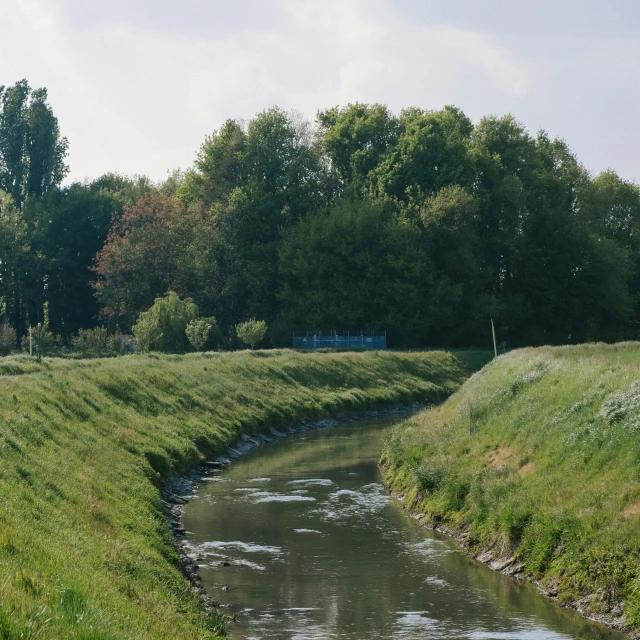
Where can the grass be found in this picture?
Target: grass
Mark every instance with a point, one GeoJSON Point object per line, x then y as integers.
{"type": "Point", "coordinates": [538, 456]}
{"type": "Point", "coordinates": [85, 552]}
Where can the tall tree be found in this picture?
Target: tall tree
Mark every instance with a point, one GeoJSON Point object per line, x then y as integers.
{"type": "Point", "coordinates": [142, 257]}
{"type": "Point", "coordinates": [14, 251]}
{"type": "Point", "coordinates": [355, 267]}
{"type": "Point", "coordinates": [431, 152]}
{"type": "Point", "coordinates": [32, 151]}
{"type": "Point", "coordinates": [254, 183]}
{"type": "Point", "coordinates": [610, 208]}
{"type": "Point", "coordinates": [355, 138]}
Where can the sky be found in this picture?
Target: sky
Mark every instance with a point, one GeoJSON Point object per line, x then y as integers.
{"type": "Point", "coordinates": [138, 84]}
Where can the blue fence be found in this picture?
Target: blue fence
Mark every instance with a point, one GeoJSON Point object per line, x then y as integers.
{"type": "Point", "coordinates": [339, 340]}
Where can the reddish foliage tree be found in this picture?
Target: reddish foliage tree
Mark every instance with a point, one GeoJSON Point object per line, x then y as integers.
{"type": "Point", "coordinates": [141, 258]}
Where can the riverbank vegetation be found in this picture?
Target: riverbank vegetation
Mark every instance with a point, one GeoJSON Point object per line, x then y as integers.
{"type": "Point", "coordinates": [422, 223]}
{"type": "Point", "coordinates": [85, 551]}
{"type": "Point", "coordinates": [535, 461]}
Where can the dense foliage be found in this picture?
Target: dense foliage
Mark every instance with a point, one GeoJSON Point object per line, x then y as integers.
{"type": "Point", "coordinates": [423, 223]}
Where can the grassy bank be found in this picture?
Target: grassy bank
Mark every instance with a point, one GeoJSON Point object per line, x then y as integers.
{"type": "Point", "coordinates": [537, 460]}
{"type": "Point", "coordinates": [85, 552]}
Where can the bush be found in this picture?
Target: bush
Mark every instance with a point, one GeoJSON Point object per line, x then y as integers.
{"type": "Point", "coordinates": [251, 331]}
{"type": "Point", "coordinates": [428, 478]}
{"type": "Point", "coordinates": [91, 340]}
{"type": "Point", "coordinates": [50, 343]}
{"type": "Point", "coordinates": [99, 341]}
{"type": "Point", "coordinates": [163, 326]}
{"type": "Point", "coordinates": [8, 339]}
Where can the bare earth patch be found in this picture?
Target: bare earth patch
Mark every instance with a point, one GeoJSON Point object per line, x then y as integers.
{"type": "Point", "coordinates": [632, 510]}
{"type": "Point", "coordinates": [501, 457]}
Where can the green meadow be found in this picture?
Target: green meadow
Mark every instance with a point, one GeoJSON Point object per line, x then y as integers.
{"type": "Point", "coordinates": [85, 551]}
{"type": "Point", "coordinates": [535, 461]}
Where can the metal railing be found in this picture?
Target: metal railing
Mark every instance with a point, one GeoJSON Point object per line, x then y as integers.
{"type": "Point", "coordinates": [367, 339]}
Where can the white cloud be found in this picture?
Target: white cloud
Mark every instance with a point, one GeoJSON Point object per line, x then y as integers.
{"type": "Point", "coordinates": [135, 98]}
{"type": "Point", "coordinates": [345, 51]}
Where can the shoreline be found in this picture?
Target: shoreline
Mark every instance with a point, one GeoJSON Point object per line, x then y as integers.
{"type": "Point", "coordinates": [509, 566]}
{"type": "Point", "coordinates": [176, 492]}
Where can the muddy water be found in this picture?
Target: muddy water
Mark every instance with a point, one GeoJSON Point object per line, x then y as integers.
{"type": "Point", "coordinates": [300, 541]}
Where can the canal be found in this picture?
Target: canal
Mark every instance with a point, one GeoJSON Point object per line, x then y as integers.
{"type": "Point", "coordinates": [299, 541]}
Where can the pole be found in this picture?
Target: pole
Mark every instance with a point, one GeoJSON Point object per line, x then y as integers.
{"type": "Point", "coordinates": [30, 342]}
{"type": "Point", "coordinates": [495, 346]}
{"type": "Point", "coordinates": [38, 347]}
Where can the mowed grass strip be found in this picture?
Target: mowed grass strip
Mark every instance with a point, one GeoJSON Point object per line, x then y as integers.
{"type": "Point", "coordinates": [85, 551]}
{"type": "Point", "coordinates": [537, 456]}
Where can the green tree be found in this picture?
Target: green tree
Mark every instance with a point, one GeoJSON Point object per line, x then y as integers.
{"type": "Point", "coordinates": [14, 257]}
{"type": "Point", "coordinates": [251, 332]}
{"type": "Point", "coordinates": [610, 208]}
{"type": "Point", "coordinates": [354, 266]}
{"type": "Point", "coordinates": [163, 326]}
{"type": "Point", "coordinates": [355, 138]}
{"type": "Point", "coordinates": [32, 151]}
{"type": "Point", "coordinates": [432, 151]}
{"type": "Point", "coordinates": [198, 333]}
{"type": "Point", "coordinates": [255, 182]}
{"type": "Point", "coordinates": [67, 227]}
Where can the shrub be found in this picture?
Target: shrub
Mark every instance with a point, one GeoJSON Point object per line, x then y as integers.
{"type": "Point", "coordinates": [99, 341]}
{"type": "Point", "coordinates": [8, 339]}
{"type": "Point", "coordinates": [119, 343]}
{"type": "Point", "coordinates": [514, 519]}
{"type": "Point", "coordinates": [49, 343]}
{"type": "Point", "coordinates": [251, 331]}
{"type": "Point", "coordinates": [163, 326]}
{"type": "Point", "coordinates": [457, 490]}
{"type": "Point", "coordinates": [91, 340]}
{"type": "Point", "coordinates": [428, 478]}
{"type": "Point", "coordinates": [198, 333]}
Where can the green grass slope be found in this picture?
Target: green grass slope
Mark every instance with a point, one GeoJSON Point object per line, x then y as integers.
{"type": "Point", "coordinates": [537, 459]}
{"type": "Point", "coordinates": [85, 552]}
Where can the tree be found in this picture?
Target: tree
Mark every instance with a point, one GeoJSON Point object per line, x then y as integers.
{"type": "Point", "coordinates": [32, 151]}
{"type": "Point", "coordinates": [354, 266]}
{"type": "Point", "coordinates": [610, 208]}
{"type": "Point", "coordinates": [143, 256]}
{"type": "Point", "coordinates": [251, 332]}
{"type": "Point", "coordinates": [67, 227]}
{"type": "Point", "coordinates": [355, 138]}
{"type": "Point", "coordinates": [255, 183]}
{"type": "Point", "coordinates": [431, 152]}
{"type": "Point", "coordinates": [14, 256]}
{"type": "Point", "coordinates": [163, 326]}
{"type": "Point", "coordinates": [198, 333]}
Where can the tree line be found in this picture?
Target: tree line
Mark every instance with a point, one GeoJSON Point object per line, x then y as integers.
{"type": "Point", "coordinates": [421, 223]}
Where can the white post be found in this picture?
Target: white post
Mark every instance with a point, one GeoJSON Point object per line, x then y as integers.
{"type": "Point", "coordinates": [495, 346]}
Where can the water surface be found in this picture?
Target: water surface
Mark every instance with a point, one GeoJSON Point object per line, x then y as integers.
{"type": "Point", "coordinates": [299, 540]}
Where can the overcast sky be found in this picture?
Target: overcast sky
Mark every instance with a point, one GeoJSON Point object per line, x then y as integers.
{"type": "Point", "coordinates": [137, 84]}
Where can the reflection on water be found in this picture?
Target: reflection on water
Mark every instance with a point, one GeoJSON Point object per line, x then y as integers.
{"type": "Point", "coordinates": [300, 541]}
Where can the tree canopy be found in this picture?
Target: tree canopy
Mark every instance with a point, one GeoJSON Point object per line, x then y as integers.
{"type": "Point", "coordinates": [423, 223]}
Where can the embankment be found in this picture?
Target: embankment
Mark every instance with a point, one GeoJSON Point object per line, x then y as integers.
{"type": "Point", "coordinates": [85, 447]}
{"type": "Point", "coordinates": [534, 464]}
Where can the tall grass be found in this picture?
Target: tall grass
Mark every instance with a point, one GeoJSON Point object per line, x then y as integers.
{"type": "Point", "coordinates": [537, 457]}
{"type": "Point", "coordinates": [85, 552]}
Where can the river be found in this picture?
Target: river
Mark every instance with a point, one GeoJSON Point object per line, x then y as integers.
{"type": "Point", "coordinates": [299, 540]}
